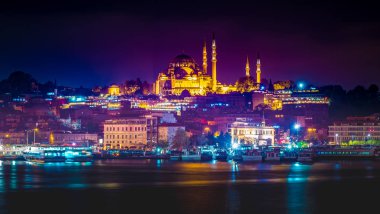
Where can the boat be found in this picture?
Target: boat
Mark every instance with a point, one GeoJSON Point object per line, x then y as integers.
{"type": "Point", "coordinates": [131, 154]}
{"type": "Point", "coordinates": [329, 152]}
{"type": "Point", "coordinates": [12, 152]}
{"type": "Point", "coordinates": [220, 155]}
{"type": "Point", "coordinates": [236, 155]}
{"type": "Point", "coordinates": [206, 155]}
{"type": "Point", "coordinates": [45, 154]}
{"type": "Point", "coordinates": [175, 155]}
{"type": "Point", "coordinates": [253, 155]}
{"type": "Point", "coordinates": [288, 155]}
{"type": "Point", "coordinates": [191, 156]}
{"type": "Point", "coordinates": [78, 154]}
{"type": "Point", "coordinates": [305, 155]}
{"type": "Point", "coordinates": [272, 155]}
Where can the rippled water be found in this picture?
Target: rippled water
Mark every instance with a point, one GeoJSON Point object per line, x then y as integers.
{"type": "Point", "coordinates": [158, 186]}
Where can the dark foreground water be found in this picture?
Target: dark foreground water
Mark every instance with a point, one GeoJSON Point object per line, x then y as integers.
{"type": "Point", "coordinates": [156, 186]}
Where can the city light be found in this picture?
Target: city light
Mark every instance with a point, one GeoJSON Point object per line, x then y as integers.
{"type": "Point", "coordinates": [297, 126]}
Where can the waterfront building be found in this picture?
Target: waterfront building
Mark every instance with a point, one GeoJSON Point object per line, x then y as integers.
{"type": "Point", "coordinates": [344, 132]}
{"type": "Point", "coordinates": [152, 129]}
{"type": "Point", "coordinates": [12, 138]}
{"type": "Point", "coordinates": [127, 133]}
{"type": "Point", "coordinates": [247, 131]}
{"type": "Point", "coordinates": [59, 138]}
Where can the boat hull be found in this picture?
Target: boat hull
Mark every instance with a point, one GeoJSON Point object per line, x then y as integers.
{"type": "Point", "coordinates": [252, 158]}
{"type": "Point", "coordinates": [191, 158]}
{"type": "Point", "coordinates": [45, 160]}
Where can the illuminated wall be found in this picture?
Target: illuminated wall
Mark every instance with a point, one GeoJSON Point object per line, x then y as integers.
{"type": "Point", "coordinates": [114, 90]}
{"type": "Point", "coordinates": [125, 133]}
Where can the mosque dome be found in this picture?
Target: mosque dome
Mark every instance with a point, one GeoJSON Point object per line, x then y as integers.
{"type": "Point", "coordinates": [183, 65]}
{"type": "Point", "coordinates": [183, 59]}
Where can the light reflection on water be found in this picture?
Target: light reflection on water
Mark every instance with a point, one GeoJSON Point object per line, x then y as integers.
{"type": "Point", "coordinates": [15, 175]}
{"type": "Point", "coordinates": [235, 186]}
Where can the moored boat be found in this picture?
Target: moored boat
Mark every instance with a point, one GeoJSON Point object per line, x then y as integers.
{"type": "Point", "coordinates": [175, 155]}
{"type": "Point", "coordinates": [206, 155]}
{"type": "Point", "coordinates": [305, 155]}
{"type": "Point", "coordinates": [288, 156]}
{"type": "Point", "coordinates": [272, 155]}
{"type": "Point", "coordinates": [45, 154]}
{"type": "Point", "coordinates": [12, 152]}
{"type": "Point", "coordinates": [345, 153]}
{"type": "Point", "coordinates": [220, 155]}
{"type": "Point", "coordinates": [191, 156]}
{"type": "Point", "coordinates": [78, 154]}
{"type": "Point", "coordinates": [253, 155]}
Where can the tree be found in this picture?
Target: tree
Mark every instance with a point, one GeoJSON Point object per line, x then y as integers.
{"type": "Point", "coordinates": [185, 93]}
{"type": "Point", "coordinates": [180, 140]}
{"type": "Point", "coordinates": [18, 82]}
{"type": "Point", "coordinates": [246, 84]}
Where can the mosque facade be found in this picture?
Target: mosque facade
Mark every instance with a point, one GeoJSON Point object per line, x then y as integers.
{"type": "Point", "coordinates": [183, 73]}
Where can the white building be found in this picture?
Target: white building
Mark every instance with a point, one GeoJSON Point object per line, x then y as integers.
{"type": "Point", "coordinates": [243, 131]}
{"type": "Point", "coordinates": [354, 131]}
{"type": "Point", "coordinates": [129, 133]}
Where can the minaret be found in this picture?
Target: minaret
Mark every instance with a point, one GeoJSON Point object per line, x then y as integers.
{"type": "Point", "coordinates": [213, 60]}
{"type": "Point", "coordinates": [258, 70]}
{"type": "Point", "coordinates": [247, 68]}
{"type": "Point", "coordinates": [204, 58]}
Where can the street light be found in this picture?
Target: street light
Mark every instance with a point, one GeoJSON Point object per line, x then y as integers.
{"type": "Point", "coordinates": [301, 85]}
{"type": "Point", "coordinates": [297, 127]}
{"type": "Point", "coordinates": [368, 136]}
{"type": "Point", "coordinates": [34, 135]}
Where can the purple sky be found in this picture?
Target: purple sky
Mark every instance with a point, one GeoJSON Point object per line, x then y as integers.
{"type": "Point", "coordinates": [102, 43]}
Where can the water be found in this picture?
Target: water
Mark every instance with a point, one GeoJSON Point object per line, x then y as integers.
{"type": "Point", "coordinates": [157, 186]}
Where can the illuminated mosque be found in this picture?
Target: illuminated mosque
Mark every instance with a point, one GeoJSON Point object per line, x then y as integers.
{"type": "Point", "coordinates": [184, 73]}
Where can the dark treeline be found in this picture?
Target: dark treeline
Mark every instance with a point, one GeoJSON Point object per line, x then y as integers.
{"type": "Point", "coordinates": [359, 101]}
{"type": "Point", "coordinates": [20, 82]}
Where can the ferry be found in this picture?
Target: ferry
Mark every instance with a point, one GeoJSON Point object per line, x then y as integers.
{"type": "Point", "coordinates": [206, 155]}
{"type": "Point", "coordinates": [344, 152]}
{"type": "Point", "coordinates": [287, 155]}
{"type": "Point", "coordinates": [253, 155]}
{"type": "Point", "coordinates": [272, 154]}
{"type": "Point", "coordinates": [191, 156]}
{"type": "Point", "coordinates": [45, 154]}
{"type": "Point", "coordinates": [305, 155]}
{"type": "Point", "coordinates": [220, 155]}
{"type": "Point", "coordinates": [175, 155]}
{"type": "Point", "coordinates": [78, 154]}
{"type": "Point", "coordinates": [236, 156]}
{"type": "Point", "coordinates": [12, 152]}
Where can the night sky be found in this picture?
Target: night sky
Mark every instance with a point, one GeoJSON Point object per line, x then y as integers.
{"type": "Point", "coordinates": [103, 42]}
